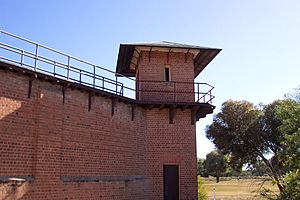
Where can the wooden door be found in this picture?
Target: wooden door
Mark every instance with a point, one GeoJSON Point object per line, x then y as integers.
{"type": "Point", "coordinates": [171, 182]}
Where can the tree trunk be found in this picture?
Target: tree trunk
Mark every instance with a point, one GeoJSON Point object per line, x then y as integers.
{"type": "Point", "coordinates": [218, 176]}
{"type": "Point", "coordinates": [274, 174]}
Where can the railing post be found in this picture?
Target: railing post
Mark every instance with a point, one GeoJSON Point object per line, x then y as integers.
{"type": "Point", "coordinates": [103, 83]}
{"type": "Point", "coordinates": [80, 71]}
{"type": "Point", "coordinates": [22, 57]}
{"type": "Point", "coordinates": [122, 88]}
{"type": "Point", "coordinates": [116, 84]}
{"type": "Point", "coordinates": [68, 72]}
{"type": "Point", "coordinates": [54, 68]}
{"type": "Point", "coordinates": [198, 91]}
{"type": "Point", "coordinates": [36, 56]}
{"type": "Point", "coordinates": [94, 76]}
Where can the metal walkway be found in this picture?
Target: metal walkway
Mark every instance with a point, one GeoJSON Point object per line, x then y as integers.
{"type": "Point", "coordinates": [40, 58]}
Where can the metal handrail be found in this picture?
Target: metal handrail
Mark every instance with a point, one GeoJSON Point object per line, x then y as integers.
{"type": "Point", "coordinates": [61, 53]}
{"type": "Point", "coordinates": [173, 87]}
{"type": "Point", "coordinates": [90, 78]}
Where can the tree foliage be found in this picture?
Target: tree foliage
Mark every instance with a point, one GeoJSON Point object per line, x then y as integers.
{"type": "Point", "coordinates": [292, 186]}
{"type": "Point", "coordinates": [295, 95]}
{"type": "Point", "coordinates": [231, 129]}
{"type": "Point", "coordinates": [259, 169]}
{"type": "Point", "coordinates": [215, 164]}
{"type": "Point", "coordinates": [248, 134]}
{"type": "Point", "coordinates": [201, 168]}
{"type": "Point", "coordinates": [289, 112]}
{"type": "Point", "coordinates": [231, 171]}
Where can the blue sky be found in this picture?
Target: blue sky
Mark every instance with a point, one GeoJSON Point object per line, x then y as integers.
{"type": "Point", "coordinates": [260, 39]}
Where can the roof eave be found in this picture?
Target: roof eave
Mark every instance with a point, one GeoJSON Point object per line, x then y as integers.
{"type": "Point", "coordinates": [124, 59]}
{"type": "Point", "coordinates": [203, 59]}
{"type": "Point", "coordinates": [126, 52]}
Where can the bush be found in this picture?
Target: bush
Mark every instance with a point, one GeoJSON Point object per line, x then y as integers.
{"type": "Point", "coordinates": [292, 189]}
{"type": "Point", "coordinates": [202, 193]}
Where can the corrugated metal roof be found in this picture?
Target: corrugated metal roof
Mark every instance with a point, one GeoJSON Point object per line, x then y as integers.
{"type": "Point", "coordinates": [167, 44]}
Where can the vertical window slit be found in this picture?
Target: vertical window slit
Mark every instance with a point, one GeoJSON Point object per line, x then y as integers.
{"type": "Point", "coordinates": [167, 73]}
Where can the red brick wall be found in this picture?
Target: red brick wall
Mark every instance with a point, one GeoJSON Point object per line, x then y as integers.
{"type": "Point", "coordinates": [74, 153]}
{"type": "Point", "coordinates": [43, 138]}
{"type": "Point", "coordinates": [171, 144]}
{"type": "Point", "coordinates": [151, 73]}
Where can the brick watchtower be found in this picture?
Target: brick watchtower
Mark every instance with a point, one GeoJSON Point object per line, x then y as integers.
{"type": "Point", "coordinates": [165, 86]}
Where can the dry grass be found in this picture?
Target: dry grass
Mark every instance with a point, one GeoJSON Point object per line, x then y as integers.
{"type": "Point", "coordinates": [237, 188]}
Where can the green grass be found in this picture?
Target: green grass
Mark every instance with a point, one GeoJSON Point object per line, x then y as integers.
{"type": "Point", "coordinates": [232, 189]}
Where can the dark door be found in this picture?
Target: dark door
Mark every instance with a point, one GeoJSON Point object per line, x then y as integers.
{"type": "Point", "coordinates": [171, 182]}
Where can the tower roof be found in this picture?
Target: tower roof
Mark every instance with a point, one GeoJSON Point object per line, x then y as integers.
{"type": "Point", "coordinates": [129, 54]}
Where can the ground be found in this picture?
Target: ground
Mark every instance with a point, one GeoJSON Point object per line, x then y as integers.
{"type": "Point", "coordinates": [232, 188]}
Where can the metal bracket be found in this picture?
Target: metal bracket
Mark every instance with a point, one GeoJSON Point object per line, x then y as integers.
{"type": "Point", "coordinates": [113, 103]}
{"type": "Point", "coordinates": [193, 116]}
{"type": "Point", "coordinates": [63, 90]}
{"type": "Point", "coordinates": [168, 55]}
{"type": "Point", "coordinates": [90, 102]}
{"type": "Point", "coordinates": [132, 112]}
{"type": "Point", "coordinates": [29, 88]}
{"type": "Point", "coordinates": [185, 55]}
{"type": "Point", "coordinates": [171, 114]}
{"type": "Point", "coordinates": [149, 57]}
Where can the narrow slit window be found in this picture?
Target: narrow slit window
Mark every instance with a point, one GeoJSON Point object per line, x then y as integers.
{"type": "Point", "coordinates": [167, 73]}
